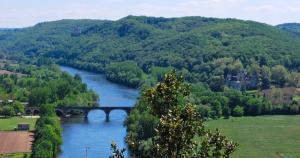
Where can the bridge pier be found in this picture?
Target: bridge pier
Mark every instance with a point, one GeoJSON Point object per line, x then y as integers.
{"type": "Point", "coordinates": [28, 112]}
{"type": "Point", "coordinates": [60, 113]}
{"type": "Point", "coordinates": [107, 116]}
{"type": "Point", "coordinates": [86, 113]}
{"type": "Point", "coordinates": [128, 112]}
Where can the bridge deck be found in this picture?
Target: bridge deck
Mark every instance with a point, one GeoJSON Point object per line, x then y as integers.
{"type": "Point", "coordinates": [98, 107]}
{"type": "Point", "coordinates": [63, 111]}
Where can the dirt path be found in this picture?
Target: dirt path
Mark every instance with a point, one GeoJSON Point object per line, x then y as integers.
{"type": "Point", "coordinates": [15, 142]}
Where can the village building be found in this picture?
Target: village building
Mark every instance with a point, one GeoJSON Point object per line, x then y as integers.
{"type": "Point", "coordinates": [241, 81]}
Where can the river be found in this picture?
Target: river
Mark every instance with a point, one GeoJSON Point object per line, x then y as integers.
{"type": "Point", "coordinates": [93, 136]}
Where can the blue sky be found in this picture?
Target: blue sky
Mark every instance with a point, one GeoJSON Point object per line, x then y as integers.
{"type": "Point", "coordinates": [22, 13]}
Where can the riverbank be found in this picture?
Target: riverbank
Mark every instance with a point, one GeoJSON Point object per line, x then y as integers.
{"type": "Point", "coordinates": [94, 134]}
{"type": "Point", "coordinates": [110, 74]}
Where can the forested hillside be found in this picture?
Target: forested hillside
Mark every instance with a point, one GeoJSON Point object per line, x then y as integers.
{"type": "Point", "coordinates": [46, 87]}
{"type": "Point", "coordinates": [202, 49]}
{"type": "Point", "coordinates": [291, 27]}
{"type": "Point", "coordinates": [234, 67]}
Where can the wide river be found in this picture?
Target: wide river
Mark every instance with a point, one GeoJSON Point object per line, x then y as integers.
{"type": "Point", "coordinates": [94, 136]}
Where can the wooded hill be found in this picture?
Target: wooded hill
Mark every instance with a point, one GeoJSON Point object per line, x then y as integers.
{"type": "Point", "coordinates": [203, 49]}
{"type": "Point", "coordinates": [291, 27]}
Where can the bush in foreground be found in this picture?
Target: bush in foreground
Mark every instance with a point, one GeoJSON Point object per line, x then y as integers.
{"type": "Point", "coordinates": [178, 127]}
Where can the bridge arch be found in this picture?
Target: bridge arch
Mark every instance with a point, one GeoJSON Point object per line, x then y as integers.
{"type": "Point", "coordinates": [73, 111]}
{"type": "Point", "coordinates": [28, 112]}
{"type": "Point", "coordinates": [118, 114]}
{"type": "Point", "coordinates": [59, 112]}
{"type": "Point", "coordinates": [36, 112]}
{"type": "Point", "coordinates": [108, 111]}
{"type": "Point", "coordinates": [95, 111]}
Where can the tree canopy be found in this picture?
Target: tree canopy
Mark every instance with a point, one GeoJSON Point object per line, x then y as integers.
{"type": "Point", "coordinates": [203, 49]}
{"type": "Point", "coordinates": [176, 129]}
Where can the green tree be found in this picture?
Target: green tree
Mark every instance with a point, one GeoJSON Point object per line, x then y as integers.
{"type": "Point", "coordinates": [294, 79]}
{"type": "Point", "coordinates": [236, 67]}
{"type": "Point", "coordinates": [238, 111]}
{"type": "Point", "coordinates": [8, 111]}
{"type": "Point", "coordinates": [47, 134]}
{"type": "Point", "coordinates": [279, 75]}
{"type": "Point", "coordinates": [8, 84]}
{"type": "Point", "coordinates": [168, 93]}
{"type": "Point", "coordinates": [235, 97]}
{"type": "Point", "coordinates": [39, 96]}
{"type": "Point", "coordinates": [42, 149]}
{"type": "Point", "coordinates": [63, 88]}
{"type": "Point", "coordinates": [217, 109]}
{"type": "Point", "coordinates": [18, 107]}
{"type": "Point", "coordinates": [294, 109]}
{"type": "Point", "coordinates": [25, 156]}
{"type": "Point", "coordinates": [77, 77]}
{"type": "Point", "coordinates": [254, 106]}
{"type": "Point", "coordinates": [116, 152]}
{"type": "Point", "coordinates": [127, 73]}
{"type": "Point", "coordinates": [176, 133]}
{"type": "Point", "coordinates": [265, 77]}
{"type": "Point", "coordinates": [47, 110]}
{"type": "Point", "coordinates": [217, 83]}
{"type": "Point", "coordinates": [147, 125]}
{"type": "Point", "coordinates": [226, 112]}
{"type": "Point", "coordinates": [180, 124]}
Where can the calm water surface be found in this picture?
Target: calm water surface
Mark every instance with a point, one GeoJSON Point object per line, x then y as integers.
{"type": "Point", "coordinates": [94, 134]}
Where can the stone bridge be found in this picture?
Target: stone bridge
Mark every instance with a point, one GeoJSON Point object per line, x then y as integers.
{"type": "Point", "coordinates": [64, 111]}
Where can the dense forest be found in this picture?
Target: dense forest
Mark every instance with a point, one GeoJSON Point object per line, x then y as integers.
{"type": "Point", "coordinates": [291, 27]}
{"type": "Point", "coordinates": [203, 49]}
{"type": "Point", "coordinates": [236, 64]}
{"type": "Point", "coordinates": [31, 85]}
{"type": "Point", "coordinates": [46, 87]}
{"type": "Point", "coordinates": [230, 67]}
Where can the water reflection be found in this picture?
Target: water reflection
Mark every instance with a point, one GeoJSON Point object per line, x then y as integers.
{"type": "Point", "coordinates": [95, 133]}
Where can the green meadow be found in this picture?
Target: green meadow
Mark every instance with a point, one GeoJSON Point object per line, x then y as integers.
{"type": "Point", "coordinates": [8, 124]}
{"type": "Point", "coordinates": [263, 136]}
{"type": "Point", "coordinates": [17, 155]}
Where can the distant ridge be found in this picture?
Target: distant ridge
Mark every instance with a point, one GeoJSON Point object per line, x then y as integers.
{"type": "Point", "coordinates": [189, 44]}
{"type": "Point", "coordinates": [9, 29]}
{"type": "Point", "coordinates": [291, 27]}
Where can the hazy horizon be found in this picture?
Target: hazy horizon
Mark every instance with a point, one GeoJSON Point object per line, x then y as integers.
{"type": "Point", "coordinates": [19, 13]}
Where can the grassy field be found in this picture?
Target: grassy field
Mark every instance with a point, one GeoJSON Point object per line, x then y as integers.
{"type": "Point", "coordinates": [19, 155]}
{"type": "Point", "coordinates": [262, 137]}
{"type": "Point", "coordinates": [296, 98]}
{"type": "Point", "coordinates": [7, 124]}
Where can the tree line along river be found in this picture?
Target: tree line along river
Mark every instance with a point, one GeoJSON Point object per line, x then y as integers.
{"type": "Point", "coordinates": [93, 136]}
